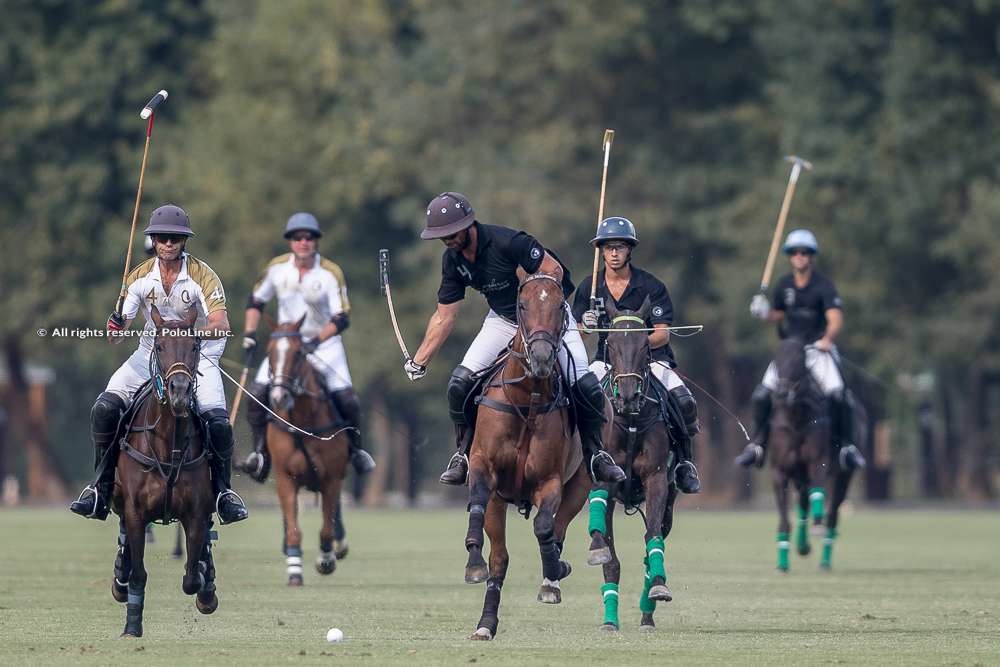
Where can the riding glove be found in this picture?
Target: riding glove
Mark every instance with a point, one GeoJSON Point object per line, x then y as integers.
{"type": "Point", "coordinates": [590, 319]}
{"type": "Point", "coordinates": [760, 307]}
{"type": "Point", "coordinates": [413, 370]}
{"type": "Point", "coordinates": [249, 340]}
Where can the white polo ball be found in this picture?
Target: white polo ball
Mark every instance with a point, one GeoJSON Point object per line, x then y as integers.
{"type": "Point", "coordinates": [334, 635]}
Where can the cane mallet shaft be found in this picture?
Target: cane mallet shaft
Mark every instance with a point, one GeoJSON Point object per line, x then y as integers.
{"type": "Point", "coordinates": [148, 114]}
{"type": "Point", "coordinates": [798, 164]}
{"type": "Point", "coordinates": [383, 274]}
{"type": "Point", "coordinates": [609, 137]}
{"type": "Point", "coordinates": [243, 383]}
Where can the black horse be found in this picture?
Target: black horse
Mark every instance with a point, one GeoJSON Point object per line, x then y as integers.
{"type": "Point", "coordinates": [639, 440]}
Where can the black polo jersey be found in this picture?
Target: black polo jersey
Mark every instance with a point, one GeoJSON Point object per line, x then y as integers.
{"type": "Point", "coordinates": [805, 308]}
{"type": "Point", "coordinates": [640, 285]}
{"type": "Point", "coordinates": [499, 251]}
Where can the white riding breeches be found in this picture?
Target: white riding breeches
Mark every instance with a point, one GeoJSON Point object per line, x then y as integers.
{"type": "Point", "coordinates": [329, 360]}
{"type": "Point", "coordinates": [823, 368]}
{"type": "Point", "coordinates": [497, 332]}
{"type": "Point", "coordinates": [663, 373]}
{"type": "Point", "coordinates": [209, 391]}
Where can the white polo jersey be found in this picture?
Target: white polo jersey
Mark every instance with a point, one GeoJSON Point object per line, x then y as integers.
{"type": "Point", "coordinates": [197, 287]}
{"type": "Point", "coordinates": [319, 293]}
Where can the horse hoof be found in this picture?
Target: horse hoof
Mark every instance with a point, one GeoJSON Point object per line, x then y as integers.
{"type": "Point", "coordinates": [599, 556]}
{"type": "Point", "coordinates": [660, 593]}
{"type": "Point", "coordinates": [194, 584]}
{"type": "Point", "coordinates": [326, 565]}
{"type": "Point", "coordinates": [208, 606]}
{"type": "Point", "coordinates": [549, 593]}
{"type": "Point", "coordinates": [476, 574]}
{"type": "Point", "coordinates": [131, 633]}
{"type": "Point", "coordinates": [482, 635]}
{"type": "Point", "coordinates": [647, 627]}
{"type": "Point", "coordinates": [295, 580]}
{"type": "Point", "coordinates": [817, 530]}
{"type": "Point", "coordinates": [804, 549]}
{"type": "Point", "coordinates": [781, 570]}
{"type": "Point", "coordinates": [825, 567]}
{"type": "Point", "coordinates": [340, 549]}
{"type": "Point", "coordinates": [119, 593]}
{"type": "Point", "coordinates": [609, 627]}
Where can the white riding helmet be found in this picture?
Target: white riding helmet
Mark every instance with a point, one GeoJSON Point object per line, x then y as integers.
{"type": "Point", "coordinates": [800, 238]}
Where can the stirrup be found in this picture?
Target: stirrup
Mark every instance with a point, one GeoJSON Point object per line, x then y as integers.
{"type": "Point", "coordinates": [458, 459]}
{"type": "Point", "coordinates": [92, 490]}
{"type": "Point", "coordinates": [362, 461]}
{"type": "Point", "coordinates": [693, 476]}
{"type": "Point", "coordinates": [239, 500]}
{"type": "Point", "coordinates": [758, 455]}
{"type": "Point", "coordinates": [602, 455]}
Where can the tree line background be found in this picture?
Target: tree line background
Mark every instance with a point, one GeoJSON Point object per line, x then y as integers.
{"type": "Point", "coordinates": [361, 111]}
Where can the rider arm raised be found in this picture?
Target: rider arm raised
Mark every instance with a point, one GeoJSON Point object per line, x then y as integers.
{"type": "Point", "coordinates": [438, 329]}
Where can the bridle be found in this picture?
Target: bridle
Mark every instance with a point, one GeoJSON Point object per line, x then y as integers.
{"type": "Point", "coordinates": [161, 377]}
{"type": "Point", "coordinates": [643, 378]}
{"type": "Point", "coordinates": [555, 340]}
{"type": "Point", "coordinates": [290, 382]}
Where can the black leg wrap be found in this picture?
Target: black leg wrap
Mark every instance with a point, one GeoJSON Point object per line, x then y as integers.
{"type": "Point", "coordinates": [220, 436]}
{"type": "Point", "coordinates": [123, 560]}
{"type": "Point", "coordinates": [339, 532]}
{"type": "Point", "coordinates": [491, 606]}
{"type": "Point", "coordinates": [551, 568]}
{"type": "Point", "coordinates": [477, 517]}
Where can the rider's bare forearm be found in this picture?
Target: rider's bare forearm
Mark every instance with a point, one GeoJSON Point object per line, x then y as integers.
{"type": "Point", "coordinates": [438, 329]}
{"type": "Point", "coordinates": [660, 337]}
{"type": "Point", "coordinates": [216, 327]}
{"type": "Point", "coordinates": [834, 323]}
{"type": "Point", "coordinates": [251, 320]}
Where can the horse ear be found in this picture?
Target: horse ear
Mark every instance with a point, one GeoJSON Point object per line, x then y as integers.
{"type": "Point", "coordinates": [191, 318]}
{"type": "Point", "coordinates": [298, 325]}
{"type": "Point", "coordinates": [646, 306]}
{"type": "Point", "coordinates": [610, 308]}
{"type": "Point", "coordinates": [157, 318]}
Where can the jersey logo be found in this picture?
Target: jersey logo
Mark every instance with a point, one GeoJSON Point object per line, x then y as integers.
{"type": "Point", "coordinates": [217, 294]}
{"type": "Point", "coordinates": [789, 297]}
{"type": "Point", "coordinates": [465, 272]}
{"type": "Point", "coordinates": [657, 311]}
{"type": "Point", "coordinates": [536, 253]}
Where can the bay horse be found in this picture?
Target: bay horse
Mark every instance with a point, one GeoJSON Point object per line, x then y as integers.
{"type": "Point", "coordinates": [801, 453]}
{"type": "Point", "coordinates": [639, 441]}
{"type": "Point", "coordinates": [524, 452]}
{"type": "Point", "coordinates": [298, 395]}
{"type": "Point", "coordinates": [163, 474]}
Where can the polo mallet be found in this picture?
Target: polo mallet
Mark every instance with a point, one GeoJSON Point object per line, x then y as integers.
{"type": "Point", "coordinates": [148, 114]}
{"type": "Point", "coordinates": [383, 274]}
{"type": "Point", "coordinates": [609, 137]}
{"type": "Point", "coordinates": [248, 357]}
{"type": "Point", "coordinates": [797, 165]}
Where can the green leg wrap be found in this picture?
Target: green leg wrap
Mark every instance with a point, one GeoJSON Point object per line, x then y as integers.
{"type": "Point", "coordinates": [654, 556]}
{"type": "Point", "coordinates": [646, 605]}
{"type": "Point", "coordinates": [610, 593]}
{"type": "Point", "coordinates": [783, 545]}
{"type": "Point", "coordinates": [831, 535]}
{"type": "Point", "coordinates": [802, 532]}
{"type": "Point", "coordinates": [598, 500]}
{"type": "Point", "coordinates": [817, 496]}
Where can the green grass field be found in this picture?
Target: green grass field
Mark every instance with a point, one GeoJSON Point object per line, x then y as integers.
{"type": "Point", "coordinates": [908, 587]}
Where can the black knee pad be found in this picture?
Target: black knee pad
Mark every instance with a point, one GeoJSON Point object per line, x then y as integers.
{"type": "Point", "coordinates": [347, 404]}
{"type": "Point", "coordinates": [256, 414]}
{"type": "Point", "coordinates": [220, 432]}
{"type": "Point", "coordinates": [459, 387]}
{"type": "Point", "coordinates": [589, 398]}
{"type": "Point", "coordinates": [688, 408]}
{"type": "Point", "coordinates": [106, 412]}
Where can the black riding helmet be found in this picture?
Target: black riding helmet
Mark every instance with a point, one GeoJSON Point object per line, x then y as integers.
{"type": "Point", "coordinates": [615, 228]}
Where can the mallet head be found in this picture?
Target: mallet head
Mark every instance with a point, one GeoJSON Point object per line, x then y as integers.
{"type": "Point", "coordinates": [803, 163]}
{"type": "Point", "coordinates": [151, 105]}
